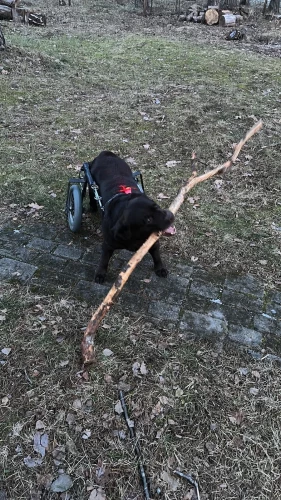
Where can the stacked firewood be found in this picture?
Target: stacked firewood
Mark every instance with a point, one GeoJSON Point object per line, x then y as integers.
{"type": "Point", "coordinates": [10, 11]}
{"type": "Point", "coordinates": [212, 14]}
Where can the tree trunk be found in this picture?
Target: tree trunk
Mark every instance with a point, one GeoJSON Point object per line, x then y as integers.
{"type": "Point", "coordinates": [2, 40]}
{"type": "Point", "coordinates": [274, 6]}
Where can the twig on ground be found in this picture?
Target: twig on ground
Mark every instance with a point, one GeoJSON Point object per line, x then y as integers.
{"type": "Point", "coordinates": [88, 350]}
{"type": "Point", "coordinates": [136, 445]}
{"type": "Point", "coordinates": [190, 480]}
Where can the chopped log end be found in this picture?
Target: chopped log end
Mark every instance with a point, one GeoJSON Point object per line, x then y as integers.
{"type": "Point", "coordinates": [211, 17]}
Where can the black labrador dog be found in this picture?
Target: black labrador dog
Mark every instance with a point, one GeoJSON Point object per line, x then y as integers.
{"type": "Point", "coordinates": [129, 215]}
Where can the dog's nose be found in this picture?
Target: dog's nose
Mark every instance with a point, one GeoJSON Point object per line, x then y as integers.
{"type": "Point", "coordinates": [170, 216]}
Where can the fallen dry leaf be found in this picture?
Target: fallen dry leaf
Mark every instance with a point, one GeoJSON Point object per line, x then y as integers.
{"type": "Point", "coordinates": [6, 350]}
{"type": "Point", "coordinates": [5, 401]}
{"type": "Point", "coordinates": [193, 258]}
{"type": "Point", "coordinates": [86, 434]}
{"type": "Point", "coordinates": [39, 425]}
{"type": "Point", "coordinates": [41, 442]}
{"type": "Point", "coordinates": [237, 418]}
{"type": "Point", "coordinates": [61, 484]}
{"type": "Point", "coordinates": [131, 160]}
{"type": "Point", "coordinates": [218, 183]}
{"type": "Point", "coordinates": [35, 206]}
{"type": "Point", "coordinates": [64, 363]}
{"type": "Point", "coordinates": [172, 163]}
{"type": "Point", "coordinates": [135, 368]}
{"type": "Point", "coordinates": [179, 392]}
{"type": "Point", "coordinates": [143, 369]}
{"type": "Point", "coordinates": [118, 408]}
{"type": "Point", "coordinates": [107, 353]}
{"type": "Point", "coordinates": [32, 462]}
{"type": "Point", "coordinates": [156, 410]}
{"type": "Point", "coordinates": [254, 391]}
{"type": "Point", "coordinates": [172, 482]}
{"type": "Point", "coordinates": [97, 495]}
{"type": "Point", "coordinates": [162, 196]}
{"type": "Point", "coordinates": [77, 404]}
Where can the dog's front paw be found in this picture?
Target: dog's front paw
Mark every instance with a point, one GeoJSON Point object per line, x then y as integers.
{"type": "Point", "coordinates": [162, 272]}
{"type": "Point", "coordinates": [99, 278]}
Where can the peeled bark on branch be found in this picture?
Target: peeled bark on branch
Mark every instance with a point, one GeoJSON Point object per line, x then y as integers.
{"type": "Point", "coordinates": [88, 349]}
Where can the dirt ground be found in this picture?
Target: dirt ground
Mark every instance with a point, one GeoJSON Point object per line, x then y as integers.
{"type": "Point", "coordinates": [100, 76]}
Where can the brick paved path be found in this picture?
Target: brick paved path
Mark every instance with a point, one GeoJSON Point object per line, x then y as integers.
{"type": "Point", "coordinates": [191, 300]}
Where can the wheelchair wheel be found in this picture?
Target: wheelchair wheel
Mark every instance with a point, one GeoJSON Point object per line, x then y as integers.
{"type": "Point", "coordinates": [74, 208]}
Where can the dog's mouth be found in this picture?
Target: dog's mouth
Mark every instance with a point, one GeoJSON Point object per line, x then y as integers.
{"type": "Point", "coordinates": [170, 231]}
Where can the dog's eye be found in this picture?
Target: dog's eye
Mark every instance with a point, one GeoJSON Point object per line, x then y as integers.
{"type": "Point", "coordinates": [149, 220]}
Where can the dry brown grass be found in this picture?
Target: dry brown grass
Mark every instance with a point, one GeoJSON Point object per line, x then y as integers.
{"type": "Point", "coordinates": [197, 408]}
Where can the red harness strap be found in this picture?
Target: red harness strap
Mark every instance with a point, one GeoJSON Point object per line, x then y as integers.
{"type": "Point", "coordinates": [125, 189]}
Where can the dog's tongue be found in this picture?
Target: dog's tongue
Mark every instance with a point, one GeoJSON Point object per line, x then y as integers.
{"type": "Point", "coordinates": [170, 231]}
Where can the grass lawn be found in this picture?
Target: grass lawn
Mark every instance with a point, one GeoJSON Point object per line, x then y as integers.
{"type": "Point", "coordinates": [104, 78]}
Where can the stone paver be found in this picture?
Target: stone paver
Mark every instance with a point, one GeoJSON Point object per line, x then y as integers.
{"type": "Point", "coordinates": [164, 311]}
{"type": "Point", "coordinates": [208, 290]}
{"type": "Point", "coordinates": [244, 335]}
{"type": "Point", "coordinates": [202, 325]}
{"type": "Point", "coordinates": [14, 269]}
{"type": "Point", "coordinates": [191, 301]}
{"type": "Point", "coordinates": [245, 284]}
{"type": "Point", "coordinates": [68, 252]}
{"type": "Point", "coordinates": [41, 244]}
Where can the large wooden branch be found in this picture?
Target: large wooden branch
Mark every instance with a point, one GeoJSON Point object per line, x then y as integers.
{"type": "Point", "coordinates": [88, 349]}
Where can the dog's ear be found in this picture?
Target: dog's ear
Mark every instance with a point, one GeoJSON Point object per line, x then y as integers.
{"type": "Point", "coordinates": [121, 230]}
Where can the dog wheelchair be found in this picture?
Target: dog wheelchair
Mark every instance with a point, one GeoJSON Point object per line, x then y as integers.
{"type": "Point", "coordinates": [76, 192]}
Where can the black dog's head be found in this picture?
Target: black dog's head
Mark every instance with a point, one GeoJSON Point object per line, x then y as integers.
{"type": "Point", "coordinates": [141, 217]}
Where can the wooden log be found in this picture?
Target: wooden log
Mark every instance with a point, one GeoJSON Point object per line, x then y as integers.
{"type": "Point", "coordinates": [88, 342]}
{"type": "Point", "coordinates": [211, 17]}
{"type": "Point", "coordinates": [8, 3]}
{"type": "Point", "coordinates": [228, 20]}
{"type": "Point", "coordinates": [239, 19]}
{"type": "Point", "coordinates": [36, 19]}
{"type": "Point", "coordinates": [198, 19]}
{"type": "Point", "coordinates": [6, 13]}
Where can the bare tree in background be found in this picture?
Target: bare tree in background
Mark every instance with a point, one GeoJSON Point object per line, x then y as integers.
{"type": "Point", "coordinates": [2, 40]}
{"type": "Point", "coordinates": [274, 6]}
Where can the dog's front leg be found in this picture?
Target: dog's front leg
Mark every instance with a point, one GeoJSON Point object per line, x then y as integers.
{"type": "Point", "coordinates": [103, 264]}
{"type": "Point", "coordinates": [159, 268]}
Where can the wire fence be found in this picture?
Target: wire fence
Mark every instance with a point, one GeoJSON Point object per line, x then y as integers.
{"type": "Point", "coordinates": [179, 6]}
{"type": "Point", "coordinates": [162, 6]}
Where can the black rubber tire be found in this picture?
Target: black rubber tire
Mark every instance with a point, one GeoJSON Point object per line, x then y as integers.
{"type": "Point", "coordinates": [75, 208]}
